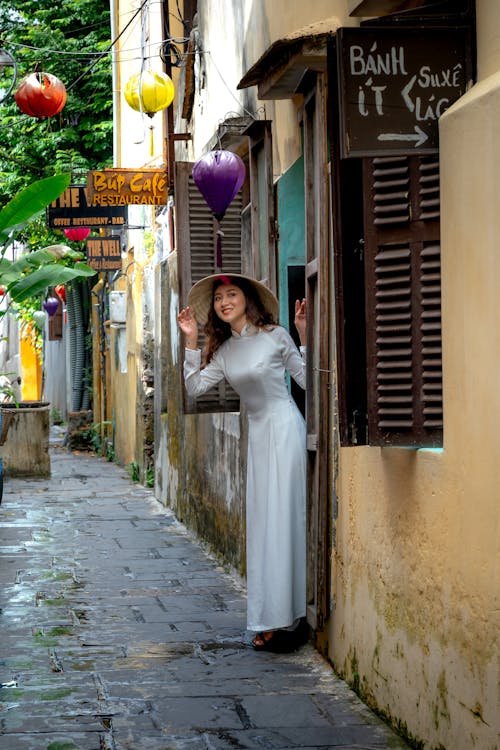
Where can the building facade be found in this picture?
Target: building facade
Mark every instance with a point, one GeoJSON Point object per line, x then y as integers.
{"type": "Point", "coordinates": [368, 132]}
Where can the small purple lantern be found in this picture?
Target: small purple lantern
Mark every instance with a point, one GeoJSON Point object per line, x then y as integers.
{"type": "Point", "coordinates": [218, 176]}
{"type": "Point", "coordinates": [50, 305]}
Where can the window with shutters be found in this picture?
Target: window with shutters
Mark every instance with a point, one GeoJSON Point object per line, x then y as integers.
{"type": "Point", "coordinates": [403, 300]}
{"type": "Point", "coordinates": [391, 393]}
{"type": "Point", "coordinates": [248, 241]}
{"type": "Point", "coordinates": [195, 242]}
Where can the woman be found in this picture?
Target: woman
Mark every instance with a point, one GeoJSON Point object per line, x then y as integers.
{"type": "Point", "coordinates": [245, 346]}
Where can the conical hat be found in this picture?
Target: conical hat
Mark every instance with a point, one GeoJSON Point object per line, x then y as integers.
{"type": "Point", "coordinates": [200, 296]}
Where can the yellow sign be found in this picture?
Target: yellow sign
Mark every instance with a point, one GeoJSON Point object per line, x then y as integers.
{"type": "Point", "coordinates": [125, 187]}
{"type": "Point", "coordinates": [104, 253]}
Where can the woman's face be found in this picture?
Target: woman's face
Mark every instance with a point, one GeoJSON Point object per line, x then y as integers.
{"type": "Point", "coordinates": [230, 305]}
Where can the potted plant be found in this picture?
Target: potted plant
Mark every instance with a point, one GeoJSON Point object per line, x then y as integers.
{"type": "Point", "coordinates": [26, 450]}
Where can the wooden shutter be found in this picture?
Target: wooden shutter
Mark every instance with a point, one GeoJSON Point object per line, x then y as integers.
{"type": "Point", "coordinates": [403, 301]}
{"type": "Point", "coordinates": [195, 242]}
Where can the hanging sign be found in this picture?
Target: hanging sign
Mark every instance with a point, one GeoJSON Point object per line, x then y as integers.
{"type": "Point", "coordinates": [104, 253]}
{"type": "Point", "coordinates": [125, 187]}
{"type": "Point", "coordinates": [394, 84]}
{"type": "Point", "coordinates": [71, 210]}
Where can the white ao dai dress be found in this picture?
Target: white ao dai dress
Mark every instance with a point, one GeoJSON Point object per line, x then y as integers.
{"type": "Point", "coordinates": [254, 363]}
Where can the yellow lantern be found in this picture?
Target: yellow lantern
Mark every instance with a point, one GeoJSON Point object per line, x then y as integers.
{"type": "Point", "coordinates": [149, 91]}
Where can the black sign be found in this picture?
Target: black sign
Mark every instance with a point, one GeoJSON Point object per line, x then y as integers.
{"type": "Point", "coordinates": [395, 84]}
{"type": "Point", "coordinates": [71, 210]}
{"type": "Point", "coordinates": [104, 253]}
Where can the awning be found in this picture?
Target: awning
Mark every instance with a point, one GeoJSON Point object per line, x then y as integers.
{"type": "Point", "coordinates": [279, 71]}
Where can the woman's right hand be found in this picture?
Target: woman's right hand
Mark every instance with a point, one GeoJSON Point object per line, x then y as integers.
{"type": "Point", "coordinates": [189, 327]}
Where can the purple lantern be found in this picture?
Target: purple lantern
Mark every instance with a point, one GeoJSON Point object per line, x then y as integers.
{"type": "Point", "coordinates": [218, 176]}
{"type": "Point", "coordinates": [50, 305]}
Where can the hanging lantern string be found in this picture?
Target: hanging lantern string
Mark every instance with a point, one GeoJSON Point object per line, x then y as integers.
{"type": "Point", "coordinates": [218, 247]}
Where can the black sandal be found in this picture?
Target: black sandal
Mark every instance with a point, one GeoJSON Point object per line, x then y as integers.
{"type": "Point", "coordinates": [261, 643]}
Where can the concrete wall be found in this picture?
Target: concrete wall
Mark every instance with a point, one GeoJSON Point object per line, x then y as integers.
{"type": "Point", "coordinates": [54, 390]}
{"type": "Point", "coordinates": [416, 583]}
{"type": "Point", "coordinates": [132, 352]}
{"type": "Point", "coordinates": [25, 452]}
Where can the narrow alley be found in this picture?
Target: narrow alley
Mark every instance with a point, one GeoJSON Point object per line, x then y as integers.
{"type": "Point", "coordinates": [119, 631]}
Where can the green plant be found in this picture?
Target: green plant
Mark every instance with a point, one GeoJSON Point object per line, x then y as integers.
{"type": "Point", "coordinates": [134, 471]}
{"type": "Point", "coordinates": [24, 312]}
{"type": "Point", "coordinates": [150, 477]}
{"type": "Point", "coordinates": [135, 474]}
{"type": "Point", "coordinates": [56, 416]}
{"type": "Point", "coordinates": [94, 439]}
{"type": "Point", "coordinates": [32, 273]}
{"type": "Point", "coordinates": [7, 390]}
{"type": "Point", "coordinates": [71, 40]}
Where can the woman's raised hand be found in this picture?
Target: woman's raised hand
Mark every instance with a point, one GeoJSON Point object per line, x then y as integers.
{"type": "Point", "coordinates": [189, 327]}
{"type": "Point", "coordinates": [300, 319]}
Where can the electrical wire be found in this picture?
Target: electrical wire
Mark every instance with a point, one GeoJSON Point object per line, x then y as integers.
{"type": "Point", "coordinates": [246, 111]}
{"type": "Point", "coordinates": [166, 49]}
{"type": "Point", "coordinates": [90, 68]}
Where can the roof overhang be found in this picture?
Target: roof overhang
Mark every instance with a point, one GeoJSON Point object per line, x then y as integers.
{"type": "Point", "coordinates": [386, 7]}
{"type": "Point", "coordinates": [231, 135]}
{"type": "Point", "coordinates": [280, 70]}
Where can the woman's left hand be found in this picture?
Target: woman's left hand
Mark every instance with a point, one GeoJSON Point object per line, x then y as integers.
{"type": "Point", "coordinates": [300, 319]}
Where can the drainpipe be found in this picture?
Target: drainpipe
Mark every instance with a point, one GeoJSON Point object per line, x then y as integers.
{"type": "Point", "coordinates": [113, 12]}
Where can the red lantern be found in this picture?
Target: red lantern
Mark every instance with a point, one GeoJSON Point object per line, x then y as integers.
{"type": "Point", "coordinates": [61, 292]}
{"type": "Point", "coordinates": [41, 95]}
{"type": "Point", "coordinates": [77, 233]}
{"type": "Point", "coordinates": [2, 291]}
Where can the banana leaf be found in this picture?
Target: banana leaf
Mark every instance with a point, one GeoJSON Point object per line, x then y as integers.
{"type": "Point", "coordinates": [37, 281]}
{"type": "Point", "coordinates": [29, 202]}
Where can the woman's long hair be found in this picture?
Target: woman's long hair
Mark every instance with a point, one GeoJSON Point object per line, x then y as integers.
{"type": "Point", "coordinates": [217, 331]}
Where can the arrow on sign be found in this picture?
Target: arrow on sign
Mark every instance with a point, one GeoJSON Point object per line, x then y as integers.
{"type": "Point", "coordinates": [419, 136]}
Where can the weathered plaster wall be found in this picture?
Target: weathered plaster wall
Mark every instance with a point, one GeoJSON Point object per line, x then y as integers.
{"type": "Point", "coordinates": [230, 49]}
{"type": "Point", "coordinates": [26, 449]}
{"type": "Point", "coordinates": [415, 588]}
{"type": "Point", "coordinates": [416, 571]}
{"type": "Point", "coordinates": [132, 355]}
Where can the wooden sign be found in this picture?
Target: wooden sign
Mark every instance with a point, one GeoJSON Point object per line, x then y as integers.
{"type": "Point", "coordinates": [125, 187]}
{"type": "Point", "coordinates": [394, 84]}
{"type": "Point", "coordinates": [71, 210]}
{"type": "Point", "coordinates": [104, 253]}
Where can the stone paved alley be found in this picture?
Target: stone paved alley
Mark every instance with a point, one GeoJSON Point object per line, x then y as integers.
{"type": "Point", "coordinates": [117, 630]}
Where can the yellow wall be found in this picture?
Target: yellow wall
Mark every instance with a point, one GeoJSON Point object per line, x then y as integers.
{"type": "Point", "coordinates": [133, 150]}
{"type": "Point", "coordinates": [122, 356]}
{"type": "Point", "coordinates": [416, 571]}
{"type": "Point", "coordinates": [134, 127]}
{"type": "Point", "coordinates": [31, 370]}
